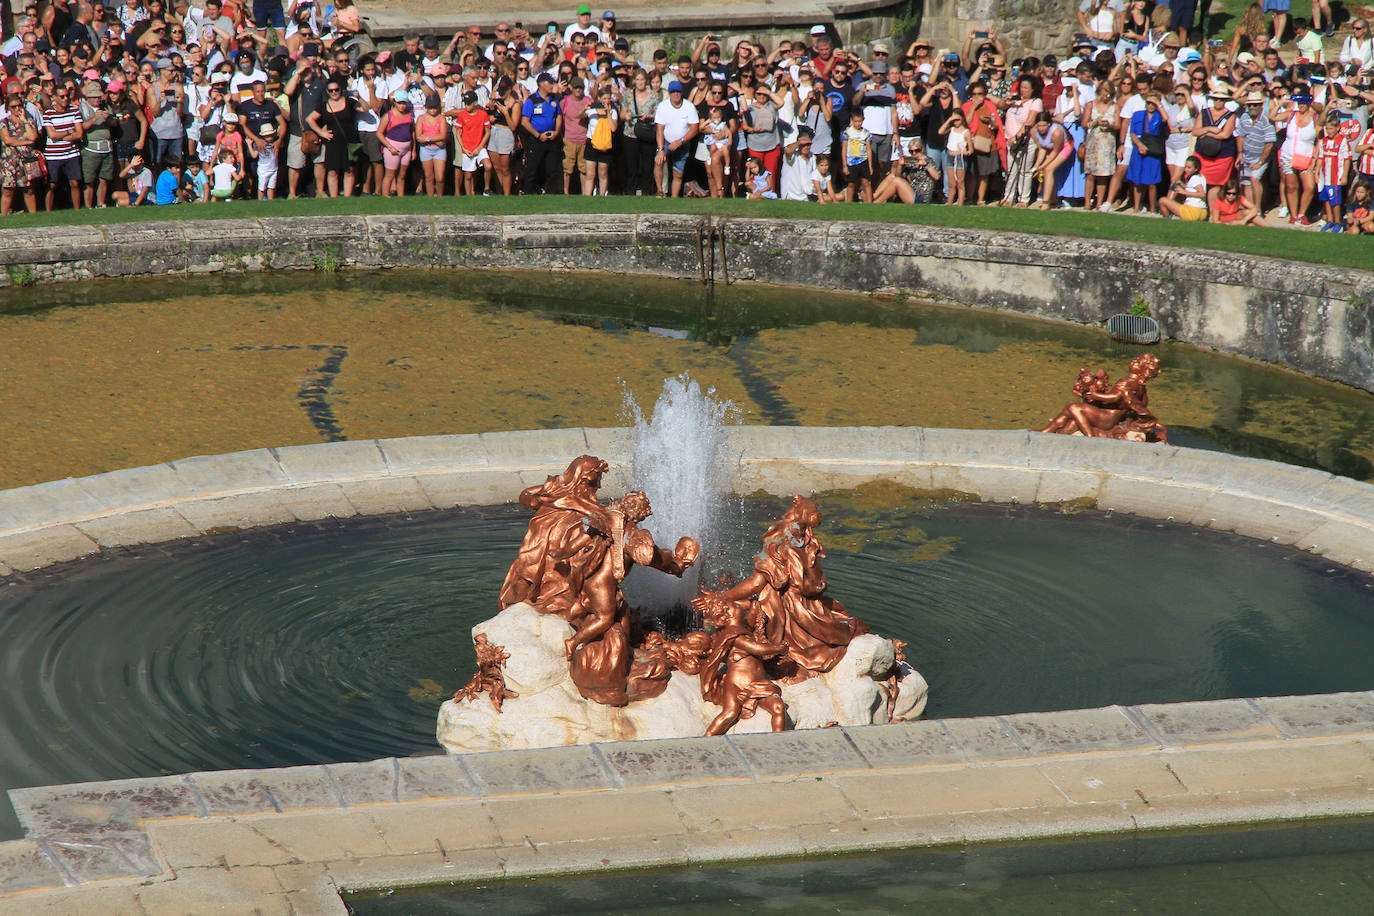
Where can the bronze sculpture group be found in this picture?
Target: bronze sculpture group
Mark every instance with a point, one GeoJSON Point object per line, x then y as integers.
{"type": "Point", "coordinates": [777, 625]}
{"type": "Point", "coordinates": [1119, 411]}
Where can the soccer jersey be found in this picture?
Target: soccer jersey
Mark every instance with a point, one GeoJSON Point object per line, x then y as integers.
{"type": "Point", "coordinates": [1366, 163]}
{"type": "Point", "coordinates": [1332, 154]}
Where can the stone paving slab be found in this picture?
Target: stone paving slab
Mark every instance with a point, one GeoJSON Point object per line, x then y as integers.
{"type": "Point", "coordinates": [906, 744]}
{"type": "Point", "coordinates": [45, 547]}
{"type": "Point", "coordinates": [142, 526]}
{"type": "Point", "coordinates": [1105, 729]}
{"type": "Point", "coordinates": [796, 753]}
{"type": "Point", "coordinates": [555, 769]}
{"type": "Point", "coordinates": [985, 738]}
{"type": "Point", "coordinates": [648, 763]}
{"type": "Point", "coordinates": [25, 866]}
{"type": "Point", "coordinates": [1324, 714]}
{"type": "Point", "coordinates": [1209, 722]}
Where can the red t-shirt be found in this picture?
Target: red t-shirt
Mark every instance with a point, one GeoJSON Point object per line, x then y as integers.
{"type": "Point", "coordinates": [471, 126]}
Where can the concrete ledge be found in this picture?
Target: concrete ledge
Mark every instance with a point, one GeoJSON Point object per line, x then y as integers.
{"type": "Point", "coordinates": [1302, 316]}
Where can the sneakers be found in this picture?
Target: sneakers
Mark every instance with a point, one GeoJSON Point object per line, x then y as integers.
{"type": "Point", "coordinates": [1105, 208]}
{"type": "Point", "coordinates": [487, 192]}
{"type": "Point", "coordinates": [1330, 29]}
{"type": "Point", "coordinates": [1283, 212]}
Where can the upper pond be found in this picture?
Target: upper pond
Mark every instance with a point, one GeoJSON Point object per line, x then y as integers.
{"type": "Point", "coordinates": [115, 374]}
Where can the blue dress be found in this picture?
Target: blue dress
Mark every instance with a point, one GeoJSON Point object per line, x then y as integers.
{"type": "Point", "coordinates": [1069, 176]}
{"type": "Point", "coordinates": [1142, 169]}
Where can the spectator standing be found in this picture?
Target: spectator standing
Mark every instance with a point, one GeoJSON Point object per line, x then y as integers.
{"type": "Point", "coordinates": [761, 134]}
{"type": "Point", "coordinates": [1216, 143]}
{"type": "Point", "coordinates": [62, 154]}
{"type": "Point", "coordinates": [1257, 138]}
{"type": "Point", "coordinates": [306, 89]}
{"type": "Point", "coordinates": [474, 134]}
{"type": "Point", "coordinates": [938, 104]}
{"type": "Point", "coordinates": [603, 119]}
{"type": "Point", "coordinates": [677, 123]}
{"type": "Point", "coordinates": [370, 96]}
{"type": "Point", "coordinates": [20, 162]}
{"type": "Point", "coordinates": [1021, 149]}
{"type": "Point", "coordinates": [431, 140]}
{"type": "Point", "coordinates": [1101, 121]}
{"type": "Point", "coordinates": [1333, 170]}
{"type": "Point", "coordinates": [505, 120]}
{"type": "Point", "coordinates": [574, 107]}
{"type": "Point", "coordinates": [335, 122]}
{"type": "Point", "coordinates": [1296, 155]}
{"type": "Point", "coordinates": [1146, 168]}
{"type": "Point", "coordinates": [799, 175]}
{"type": "Point", "coordinates": [542, 122]}
{"type": "Point", "coordinates": [1178, 146]}
{"type": "Point", "coordinates": [985, 125]}
{"type": "Point", "coordinates": [879, 101]}
{"type": "Point", "coordinates": [396, 134]}
{"type": "Point", "coordinates": [97, 151]}
{"type": "Point", "coordinates": [1309, 42]}
{"type": "Point", "coordinates": [638, 136]}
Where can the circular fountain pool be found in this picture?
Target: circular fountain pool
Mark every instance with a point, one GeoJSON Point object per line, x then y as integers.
{"type": "Point", "coordinates": [337, 641]}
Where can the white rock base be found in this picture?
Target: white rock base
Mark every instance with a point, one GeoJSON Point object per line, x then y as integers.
{"type": "Point", "coordinates": [549, 712]}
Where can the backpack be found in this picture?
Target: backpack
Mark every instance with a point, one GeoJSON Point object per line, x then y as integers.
{"type": "Point", "coordinates": [601, 136]}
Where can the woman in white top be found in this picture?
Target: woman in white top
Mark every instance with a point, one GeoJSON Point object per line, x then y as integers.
{"type": "Point", "coordinates": [368, 91]}
{"type": "Point", "coordinates": [1295, 155]}
{"type": "Point", "coordinates": [1179, 144]}
{"type": "Point", "coordinates": [1102, 24]}
{"type": "Point", "coordinates": [1358, 48]}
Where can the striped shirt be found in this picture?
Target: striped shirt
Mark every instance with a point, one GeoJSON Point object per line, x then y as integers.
{"type": "Point", "coordinates": [1332, 154]}
{"type": "Point", "coordinates": [1366, 166]}
{"type": "Point", "coordinates": [59, 150]}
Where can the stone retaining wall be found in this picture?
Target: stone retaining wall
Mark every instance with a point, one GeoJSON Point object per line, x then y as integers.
{"type": "Point", "coordinates": [1310, 318]}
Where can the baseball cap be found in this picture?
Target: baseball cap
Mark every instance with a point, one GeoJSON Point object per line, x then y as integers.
{"type": "Point", "coordinates": [951, 57]}
{"type": "Point", "coordinates": [674, 86]}
{"type": "Point", "coordinates": [609, 14]}
{"type": "Point", "coordinates": [584, 10]}
{"type": "Point", "coordinates": [91, 75]}
{"type": "Point", "coordinates": [469, 98]}
{"type": "Point", "coordinates": [164, 64]}
{"type": "Point", "coordinates": [219, 79]}
{"type": "Point", "coordinates": [400, 95]}
{"type": "Point", "coordinates": [383, 57]}
{"type": "Point", "coordinates": [1245, 57]}
{"type": "Point", "coordinates": [543, 78]}
{"type": "Point", "coordinates": [818, 30]}
{"type": "Point", "coordinates": [881, 48]}
{"type": "Point", "coordinates": [230, 118]}
{"type": "Point", "coordinates": [924, 69]}
{"type": "Point", "coordinates": [312, 49]}
{"type": "Point", "coordinates": [116, 85]}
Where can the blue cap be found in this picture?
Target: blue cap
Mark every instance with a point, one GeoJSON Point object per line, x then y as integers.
{"type": "Point", "coordinates": [609, 14]}
{"type": "Point", "coordinates": [674, 86]}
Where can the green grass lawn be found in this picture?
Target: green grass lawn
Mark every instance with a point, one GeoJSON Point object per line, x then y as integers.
{"type": "Point", "coordinates": [1314, 247]}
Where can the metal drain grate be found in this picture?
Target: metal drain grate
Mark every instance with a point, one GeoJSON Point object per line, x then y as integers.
{"type": "Point", "coordinates": [1136, 329]}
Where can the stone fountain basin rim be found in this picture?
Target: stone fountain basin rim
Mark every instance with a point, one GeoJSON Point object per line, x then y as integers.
{"type": "Point", "coordinates": [50, 523]}
{"type": "Point", "coordinates": [1203, 763]}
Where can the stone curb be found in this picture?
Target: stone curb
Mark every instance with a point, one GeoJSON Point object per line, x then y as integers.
{"type": "Point", "coordinates": [63, 520]}
{"type": "Point", "coordinates": [1307, 317]}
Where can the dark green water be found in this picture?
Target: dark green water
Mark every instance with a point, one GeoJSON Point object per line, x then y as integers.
{"type": "Point", "coordinates": [1313, 868]}
{"type": "Point", "coordinates": [336, 642]}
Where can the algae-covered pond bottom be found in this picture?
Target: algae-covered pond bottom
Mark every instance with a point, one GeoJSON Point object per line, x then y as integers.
{"type": "Point", "coordinates": [337, 641]}
{"type": "Point", "coordinates": [117, 374]}
{"type": "Point", "coordinates": [1324, 867]}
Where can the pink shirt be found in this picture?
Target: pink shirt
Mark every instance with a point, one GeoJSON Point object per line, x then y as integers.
{"type": "Point", "coordinates": [574, 128]}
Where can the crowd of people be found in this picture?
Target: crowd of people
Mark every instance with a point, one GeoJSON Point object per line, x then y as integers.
{"type": "Point", "coordinates": [165, 101]}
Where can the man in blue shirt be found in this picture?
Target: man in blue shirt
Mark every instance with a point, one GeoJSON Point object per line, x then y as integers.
{"type": "Point", "coordinates": [543, 123]}
{"type": "Point", "coordinates": [169, 181]}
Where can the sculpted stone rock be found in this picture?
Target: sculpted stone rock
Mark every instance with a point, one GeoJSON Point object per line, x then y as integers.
{"type": "Point", "coordinates": [550, 712]}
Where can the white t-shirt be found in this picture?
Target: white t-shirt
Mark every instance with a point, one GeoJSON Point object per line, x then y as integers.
{"type": "Point", "coordinates": [593, 117]}
{"type": "Point", "coordinates": [367, 119]}
{"type": "Point", "coordinates": [799, 177]}
{"type": "Point", "coordinates": [241, 84]}
{"type": "Point", "coordinates": [1196, 185]}
{"type": "Point", "coordinates": [224, 175]}
{"type": "Point", "coordinates": [592, 32]}
{"type": "Point", "coordinates": [675, 121]}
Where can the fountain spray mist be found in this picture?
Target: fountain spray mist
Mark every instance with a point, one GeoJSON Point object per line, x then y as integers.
{"type": "Point", "coordinates": [682, 463]}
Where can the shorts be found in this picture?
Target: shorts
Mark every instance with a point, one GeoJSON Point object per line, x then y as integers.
{"type": "Point", "coordinates": [95, 166]}
{"type": "Point", "coordinates": [1190, 214]}
{"type": "Point", "coordinates": [574, 157]}
{"type": "Point", "coordinates": [433, 152]}
{"type": "Point", "coordinates": [1253, 175]}
{"type": "Point", "coordinates": [267, 180]}
{"type": "Point", "coordinates": [859, 171]}
{"type": "Point", "coordinates": [678, 158]}
{"type": "Point", "coordinates": [265, 14]}
{"type": "Point", "coordinates": [470, 163]}
{"type": "Point", "coordinates": [595, 155]}
{"type": "Point", "coordinates": [68, 168]}
{"type": "Point", "coordinates": [223, 193]}
{"type": "Point", "coordinates": [1181, 14]}
{"type": "Point", "coordinates": [295, 159]}
{"type": "Point", "coordinates": [372, 147]}
{"type": "Point", "coordinates": [502, 140]}
{"type": "Point", "coordinates": [1329, 193]}
{"type": "Point", "coordinates": [396, 162]}
{"type": "Point", "coordinates": [1277, 6]}
{"type": "Point", "coordinates": [1176, 156]}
